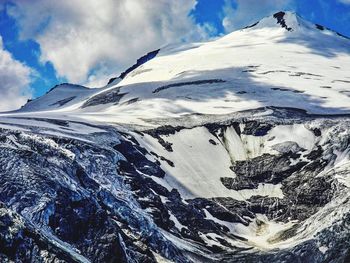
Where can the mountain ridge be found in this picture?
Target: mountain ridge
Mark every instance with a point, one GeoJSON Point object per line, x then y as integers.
{"type": "Point", "coordinates": [265, 65]}
{"type": "Point", "coordinates": [279, 16]}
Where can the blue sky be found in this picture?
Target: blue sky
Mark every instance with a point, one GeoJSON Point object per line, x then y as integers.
{"type": "Point", "coordinates": [28, 52]}
{"type": "Point", "coordinates": [67, 42]}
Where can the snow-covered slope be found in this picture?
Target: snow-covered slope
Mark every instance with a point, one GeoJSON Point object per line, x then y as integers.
{"type": "Point", "coordinates": [282, 60]}
{"type": "Point", "coordinates": [59, 97]}
{"type": "Point", "coordinates": [232, 150]}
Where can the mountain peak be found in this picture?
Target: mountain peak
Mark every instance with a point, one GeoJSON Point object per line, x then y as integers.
{"type": "Point", "coordinates": [284, 19]}
{"type": "Point", "coordinates": [281, 19]}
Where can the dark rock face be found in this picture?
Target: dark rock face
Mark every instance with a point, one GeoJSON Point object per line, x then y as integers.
{"type": "Point", "coordinates": [256, 128]}
{"type": "Point", "coordinates": [142, 60]}
{"type": "Point", "coordinates": [111, 80]}
{"type": "Point", "coordinates": [265, 169]}
{"type": "Point", "coordinates": [319, 27]}
{"type": "Point", "coordinates": [343, 36]}
{"type": "Point", "coordinates": [107, 198]}
{"type": "Point", "coordinates": [280, 20]}
{"type": "Point", "coordinates": [63, 102]}
{"type": "Point", "coordinates": [164, 130]}
{"type": "Point", "coordinates": [61, 85]}
{"type": "Point", "coordinates": [253, 25]}
{"type": "Point", "coordinates": [109, 96]}
{"type": "Point", "coordinates": [197, 82]}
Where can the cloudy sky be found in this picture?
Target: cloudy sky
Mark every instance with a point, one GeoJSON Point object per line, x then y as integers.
{"type": "Point", "coordinates": [45, 42]}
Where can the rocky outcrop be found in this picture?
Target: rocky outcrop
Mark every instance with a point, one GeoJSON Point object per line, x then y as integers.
{"type": "Point", "coordinates": [106, 197]}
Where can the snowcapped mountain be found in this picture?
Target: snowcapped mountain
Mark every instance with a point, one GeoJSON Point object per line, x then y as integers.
{"type": "Point", "coordinates": [281, 61]}
{"type": "Point", "coordinates": [232, 150]}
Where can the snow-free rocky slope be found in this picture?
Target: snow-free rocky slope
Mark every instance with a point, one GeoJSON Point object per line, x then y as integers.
{"type": "Point", "coordinates": [233, 150]}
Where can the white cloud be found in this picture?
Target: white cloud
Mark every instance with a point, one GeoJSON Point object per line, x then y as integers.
{"type": "Point", "coordinates": [99, 78]}
{"type": "Point", "coordinates": [241, 13]}
{"type": "Point", "coordinates": [83, 36]}
{"type": "Point", "coordinates": [347, 2]}
{"type": "Point", "coordinates": [14, 81]}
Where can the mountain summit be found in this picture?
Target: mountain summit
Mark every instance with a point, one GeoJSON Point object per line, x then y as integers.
{"type": "Point", "coordinates": [290, 21]}
{"type": "Point", "coordinates": [287, 20]}
{"type": "Point", "coordinates": [231, 150]}
{"type": "Point", "coordinates": [281, 61]}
